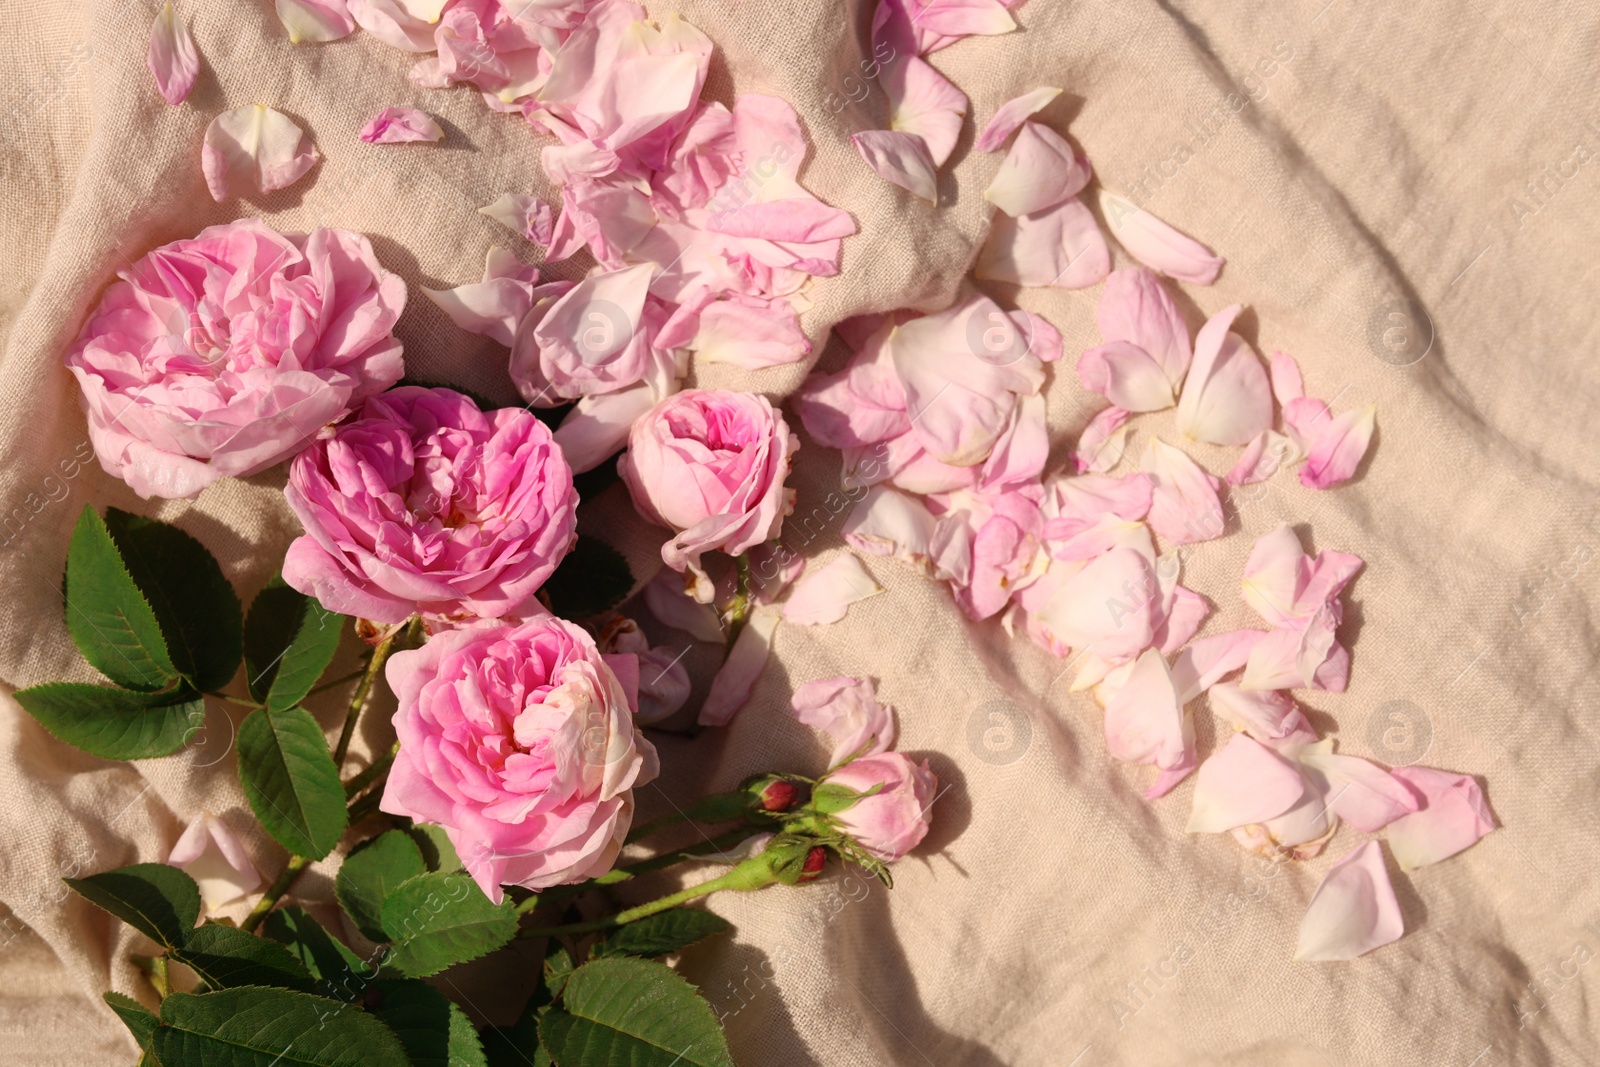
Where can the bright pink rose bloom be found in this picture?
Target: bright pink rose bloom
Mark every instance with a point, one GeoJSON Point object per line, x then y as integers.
{"type": "Point", "coordinates": [221, 355]}
{"type": "Point", "coordinates": [520, 742]}
{"type": "Point", "coordinates": [710, 465]}
{"type": "Point", "coordinates": [425, 504]}
{"type": "Point", "coordinates": [894, 820]}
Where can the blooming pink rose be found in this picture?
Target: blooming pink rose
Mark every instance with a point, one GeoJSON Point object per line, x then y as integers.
{"type": "Point", "coordinates": [520, 742]}
{"type": "Point", "coordinates": [894, 820]}
{"type": "Point", "coordinates": [710, 465]}
{"type": "Point", "coordinates": [426, 504]}
{"type": "Point", "coordinates": [221, 355]}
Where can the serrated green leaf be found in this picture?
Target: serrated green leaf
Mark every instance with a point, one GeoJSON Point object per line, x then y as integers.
{"type": "Point", "coordinates": [438, 920]}
{"type": "Point", "coordinates": [434, 1031]}
{"type": "Point", "coordinates": [290, 780]}
{"type": "Point", "coordinates": [339, 973]}
{"type": "Point", "coordinates": [226, 956]}
{"type": "Point", "coordinates": [626, 1012]}
{"type": "Point", "coordinates": [196, 608]}
{"type": "Point", "coordinates": [662, 933]}
{"type": "Point", "coordinates": [110, 620]}
{"type": "Point", "coordinates": [593, 578]}
{"type": "Point", "coordinates": [160, 902]}
{"type": "Point", "coordinates": [140, 1020]}
{"type": "Point", "coordinates": [289, 640]}
{"type": "Point", "coordinates": [558, 967]}
{"type": "Point", "coordinates": [115, 723]}
{"type": "Point", "coordinates": [516, 1045]}
{"type": "Point", "coordinates": [371, 873]}
{"type": "Point", "coordinates": [830, 799]}
{"type": "Point", "coordinates": [437, 850]}
{"type": "Point", "coordinates": [257, 1026]}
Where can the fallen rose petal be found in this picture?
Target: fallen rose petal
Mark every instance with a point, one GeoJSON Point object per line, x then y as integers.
{"type": "Point", "coordinates": [254, 149]}
{"type": "Point", "coordinates": [404, 24]}
{"type": "Point", "coordinates": [1454, 815]}
{"type": "Point", "coordinates": [1135, 307]}
{"type": "Point", "coordinates": [1156, 244]}
{"type": "Point", "coordinates": [1040, 171]}
{"type": "Point", "coordinates": [887, 522]}
{"type": "Point", "coordinates": [1353, 911]}
{"type": "Point", "coordinates": [1108, 607]}
{"type": "Point", "coordinates": [315, 20]}
{"type": "Point", "coordinates": [924, 103]}
{"type": "Point", "coordinates": [495, 306]}
{"type": "Point", "coordinates": [1226, 397]}
{"type": "Point", "coordinates": [1082, 502]}
{"type": "Point", "coordinates": [597, 427]}
{"type": "Point", "coordinates": [1125, 374]}
{"type": "Point", "coordinates": [1184, 506]}
{"type": "Point", "coordinates": [730, 689]}
{"type": "Point", "coordinates": [1265, 715]}
{"type": "Point", "coordinates": [1145, 723]}
{"type": "Point", "coordinates": [824, 595]}
{"type": "Point", "coordinates": [1184, 615]}
{"type": "Point", "coordinates": [173, 58]}
{"type": "Point", "coordinates": [1061, 246]}
{"type": "Point", "coordinates": [1101, 445]}
{"type": "Point", "coordinates": [847, 710]}
{"type": "Point", "coordinates": [1242, 782]}
{"type": "Point", "coordinates": [1362, 794]}
{"type": "Point", "coordinates": [669, 601]}
{"type": "Point", "coordinates": [1011, 114]}
{"type": "Point", "coordinates": [961, 18]}
{"type": "Point", "coordinates": [1202, 663]}
{"type": "Point", "coordinates": [1339, 448]}
{"type": "Point", "coordinates": [750, 333]}
{"type": "Point", "coordinates": [901, 159]}
{"type": "Point", "coordinates": [210, 853]}
{"type": "Point", "coordinates": [1267, 453]}
{"type": "Point", "coordinates": [525, 215]}
{"type": "Point", "coordinates": [1287, 385]}
{"type": "Point", "coordinates": [396, 125]}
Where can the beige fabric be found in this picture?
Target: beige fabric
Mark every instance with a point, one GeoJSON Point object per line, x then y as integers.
{"type": "Point", "coordinates": [1377, 154]}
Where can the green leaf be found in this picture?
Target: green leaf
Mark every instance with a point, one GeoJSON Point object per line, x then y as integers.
{"type": "Point", "coordinates": [434, 1031]}
{"type": "Point", "coordinates": [516, 1045]}
{"type": "Point", "coordinates": [160, 902]}
{"type": "Point", "coordinates": [289, 640]}
{"type": "Point", "coordinates": [663, 932]}
{"type": "Point", "coordinates": [438, 920]}
{"type": "Point", "coordinates": [140, 1020]}
{"type": "Point", "coordinates": [558, 967]}
{"type": "Point", "coordinates": [109, 619]}
{"type": "Point", "coordinates": [371, 873]}
{"type": "Point", "coordinates": [255, 1026]}
{"type": "Point", "coordinates": [290, 781]}
{"type": "Point", "coordinates": [338, 971]}
{"type": "Point", "coordinates": [115, 723]}
{"type": "Point", "coordinates": [197, 609]}
{"type": "Point", "coordinates": [226, 956]}
{"type": "Point", "coordinates": [593, 578]}
{"type": "Point", "coordinates": [437, 850]}
{"type": "Point", "coordinates": [830, 799]}
{"type": "Point", "coordinates": [625, 1012]}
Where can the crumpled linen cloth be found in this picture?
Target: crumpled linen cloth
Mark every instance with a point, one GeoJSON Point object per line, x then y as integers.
{"type": "Point", "coordinates": [1404, 194]}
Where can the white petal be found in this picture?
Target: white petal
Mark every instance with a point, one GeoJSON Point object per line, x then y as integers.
{"type": "Point", "coordinates": [1353, 911]}
{"type": "Point", "coordinates": [1040, 171]}
{"type": "Point", "coordinates": [254, 149]}
{"type": "Point", "coordinates": [901, 159]}
{"type": "Point", "coordinates": [824, 594]}
{"type": "Point", "coordinates": [1242, 782]}
{"type": "Point", "coordinates": [1009, 115]}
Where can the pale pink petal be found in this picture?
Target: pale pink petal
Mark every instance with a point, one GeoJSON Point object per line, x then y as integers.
{"type": "Point", "coordinates": [1107, 533]}
{"type": "Point", "coordinates": [1303, 417]}
{"type": "Point", "coordinates": [1125, 374]}
{"type": "Point", "coordinates": [1184, 506]}
{"type": "Point", "coordinates": [1011, 114]}
{"type": "Point", "coordinates": [1044, 340]}
{"type": "Point", "coordinates": [1040, 171]}
{"type": "Point", "coordinates": [1454, 815]}
{"type": "Point", "coordinates": [315, 20]}
{"type": "Point", "coordinates": [1082, 502]}
{"type": "Point", "coordinates": [397, 125]}
{"type": "Point", "coordinates": [730, 689]}
{"type": "Point", "coordinates": [887, 522]}
{"type": "Point", "coordinates": [1156, 244]}
{"type": "Point", "coordinates": [404, 24]}
{"type": "Point", "coordinates": [1226, 397]}
{"type": "Point", "coordinates": [597, 426]}
{"type": "Point", "coordinates": [1287, 384]}
{"type": "Point", "coordinates": [1361, 793]}
{"type": "Point", "coordinates": [427, 74]}
{"type": "Point", "coordinates": [749, 332]}
{"type": "Point", "coordinates": [589, 326]}
{"type": "Point", "coordinates": [960, 18]}
{"type": "Point", "coordinates": [1108, 607]}
{"type": "Point", "coordinates": [1267, 453]}
{"type": "Point", "coordinates": [525, 215]}
{"type": "Point", "coordinates": [1135, 307]}
{"type": "Point", "coordinates": [1275, 662]}
{"type": "Point", "coordinates": [669, 601]}
{"type": "Point", "coordinates": [1145, 722]}
{"type": "Point", "coordinates": [824, 594]}
{"type": "Point", "coordinates": [1353, 911]}
{"type": "Point", "coordinates": [1201, 664]}
{"type": "Point", "coordinates": [1266, 715]}
{"type": "Point", "coordinates": [901, 159]}
{"type": "Point", "coordinates": [1242, 782]}
{"type": "Point", "coordinates": [1184, 616]}
{"type": "Point", "coordinates": [847, 710]}
{"type": "Point", "coordinates": [1338, 448]}
{"type": "Point", "coordinates": [1101, 444]}
{"type": "Point", "coordinates": [254, 149]}
{"type": "Point", "coordinates": [173, 58]}
{"type": "Point", "coordinates": [924, 103]}
{"type": "Point", "coordinates": [495, 306]}
{"type": "Point", "coordinates": [1275, 574]}
{"type": "Point", "coordinates": [210, 853]}
{"type": "Point", "coordinates": [1061, 246]}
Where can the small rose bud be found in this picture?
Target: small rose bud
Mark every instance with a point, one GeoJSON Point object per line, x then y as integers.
{"type": "Point", "coordinates": [816, 859]}
{"type": "Point", "coordinates": [778, 795]}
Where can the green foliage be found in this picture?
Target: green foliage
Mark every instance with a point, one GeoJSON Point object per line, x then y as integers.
{"type": "Point", "coordinates": [373, 871]}
{"type": "Point", "coordinates": [289, 640]}
{"type": "Point", "coordinates": [258, 1026]}
{"type": "Point", "coordinates": [160, 902]}
{"type": "Point", "coordinates": [437, 851]}
{"type": "Point", "coordinates": [140, 1021]}
{"type": "Point", "coordinates": [625, 1012]}
{"type": "Point", "coordinates": [662, 933]}
{"type": "Point", "coordinates": [115, 723]}
{"type": "Point", "coordinates": [593, 578]}
{"type": "Point", "coordinates": [338, 972]}
{"type": "Point", "coordinates": [109, 617]}
{"type": "Point", "coordinates": [290, 780]}
{"type": "Point", "coordinates": [434, 1031]}
{"type": "Point", "coordinates": [559, 964]}
{"type": "Point", "coordinates": [226, 956]}
{"type": "Point", "coordinates": [437, 920]}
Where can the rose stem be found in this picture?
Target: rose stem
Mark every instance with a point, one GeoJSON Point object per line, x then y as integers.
{"type": "Point", "coordinates": [720, 843]}
{"type": "Point", "coordinates": [739, 609]}
{"type": "Point", "coordinates": [325, 686]}
{"type": "Point", "coordinates": [269, 900]}
{"type": "Point", "coordinates": [358, 701]}
{"type": "Point", "coordinates": [734, 879]}
{"type": "Point", "coordinates": [379, 767]}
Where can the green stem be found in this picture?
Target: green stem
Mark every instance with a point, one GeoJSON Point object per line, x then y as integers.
{"type": "Point", "coordinates": [325, 686]}
{"type": "Point", "coordinates": [720, 843]}
{"type": "Point", "coordinates": [159, 977]}
{"type": "Point", "coordinates": [380, 766]}
{"type": "Point", "coordinates": [739, 878]}
{"type": "Point", "coordinates": [739, 609]}
{"type": "Point", "coordinates": [275, 891]}
{"type": "Point", "coordinates": [243, 703]}
{"type": "Point", "coordinates": [358, 701]}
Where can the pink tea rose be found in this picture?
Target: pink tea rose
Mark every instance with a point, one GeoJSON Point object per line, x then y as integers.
{"type": "Point", "coordinates": [520, 742]}
{"type": "Point", "coordinates": [223, 354]}
{"type": "Point", "coordinates": [710, 464]}
{"type": "Point", "coordinates": [894, 820]}
{"type": "Point", "coordinates": [423, 503]}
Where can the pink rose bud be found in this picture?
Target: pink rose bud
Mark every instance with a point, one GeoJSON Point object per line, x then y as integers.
{"type": "Point", "coordinates": [815, 860]}
{"type": "Point", "coordinates": [224, 354]}
{"type": "Point", "coordinates": [518, 740]}
{"type": "Point", "coordinates": [423, 503]}
{"type": "Point", "coordinates": [710, 465]}
{"type": "Point", "coordinates": [894, 820]}
{"type": "Point", "coordinates": [775, 794]}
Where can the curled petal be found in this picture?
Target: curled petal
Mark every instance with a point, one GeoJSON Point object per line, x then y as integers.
{"type": "Point", "coordinates": [823, 595]}
{"type": "Point", "coordinates": [1146, 724]}
{"type": "Point", "coordinates": [1266, 714]}
{"type": "Point", "coordinates": [315, 20]}
{"type": "Point", "coordinates": [1226, 398]}
{"type": "Point", "coordinates": [847, 710]}
{"type": "Point", "coordinates": [1135, 307]}
{"type": "Point", "coordinates": [495, 306]}
{"type": "Point", "coordinates": [1156, 244]}
{"type": "Point", "coordinates": [1339, 448]}
{"type": "Point", "coordinates": [1243, 782]}
{"type": "Point", "coordinates": [887, 522]}
{"type": "Point", "coordinates": [210, 853]}
{"type": "Point", "coordinates": [1184, 506]}
{"type": "Point", "coordinates": [1060, 246]}
{"type": "Point", "coordinates": [1363, 794]}
{"type": "Point", "coordinates": [1267, 452]}
{"type": "Point", "coordinates": [1125, 374]}
{"type": "Point", "coordinates": [1453, 816]}
{"type": "Point", "coordinates": [1108, 607]}
{"type": "Point", "coordinates": [749, 332]}
{"type": "Point", "coordinates": [924, 103]}
{"type": "Point", "coordinates": [1011, 114]}
{"type": "Point", "coordinates": [669, 601]}
{"type": "Point", "coordinates": [730, 689]}
{"type": "Point", "coordinates": [1200, 665]}
{"type": "Point", "coordinates": [254, 149]}
{"type": "Point", "coordinates": [173, 58]}
{"type": "Point", "coordinates": [1040, 171]}
{"type": "Point", "coordinates": [597, 427]}
{"type": "Point", "coordinates": [901, 159]}
{"type": "Point", "coordinates": [1102, 442]}
{"type": "Point", "coordinates": [1353, 911]}
{"type": "Point", "coordinates": [525, 215]}
{"type": "Point", "coordinates": [1082, 502]}
{"type": "Point", "coordinates": [396, 125]}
